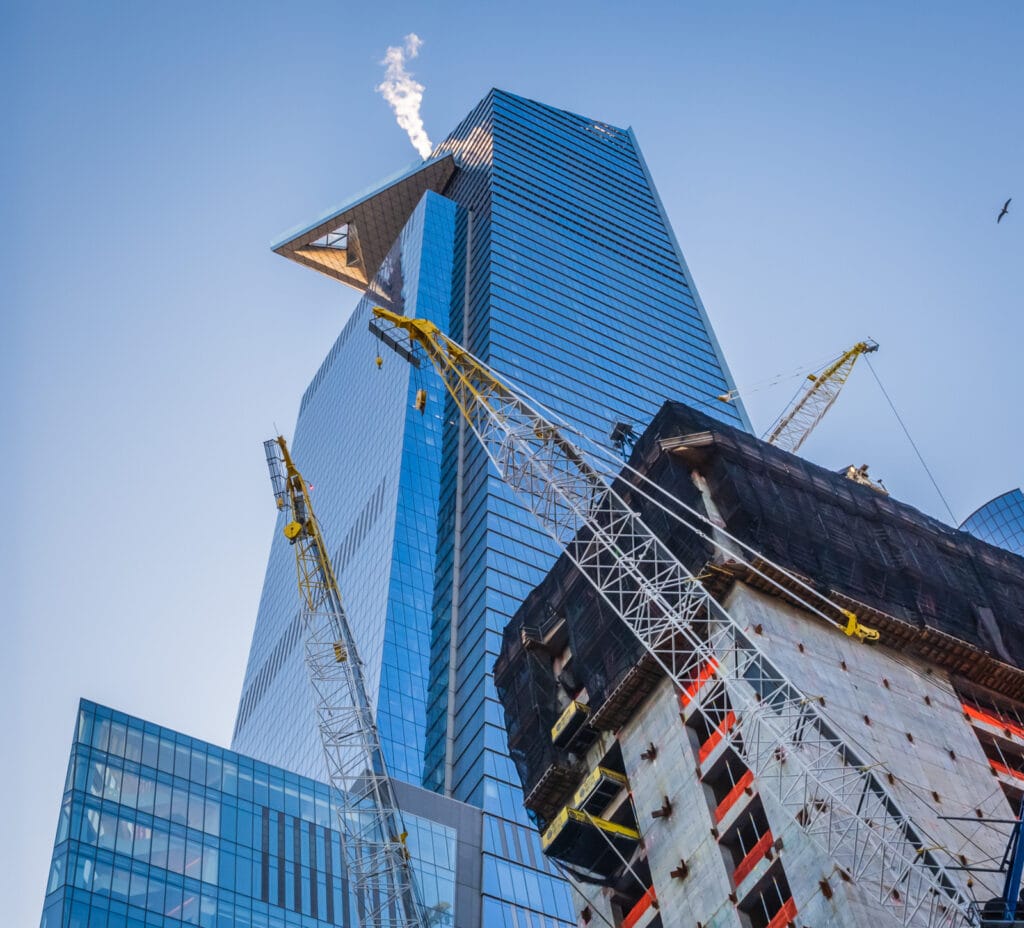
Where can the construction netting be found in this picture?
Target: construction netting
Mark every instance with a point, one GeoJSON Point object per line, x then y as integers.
{"type": "Point", "coordinates": [603, 648]}
{"type": "Point", "coordinates": [527, 688]}
{"type": "Point", "coordinates": [849, 538]}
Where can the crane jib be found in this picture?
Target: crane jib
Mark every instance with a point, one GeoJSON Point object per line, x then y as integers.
{"type": "Point", "coordinates": [781, 733]}
{"type": "Point", "coordinates": [369, 817]}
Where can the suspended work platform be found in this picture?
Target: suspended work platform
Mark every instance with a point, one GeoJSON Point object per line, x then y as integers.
{"type": "Point", "coordinates": [581, 840]}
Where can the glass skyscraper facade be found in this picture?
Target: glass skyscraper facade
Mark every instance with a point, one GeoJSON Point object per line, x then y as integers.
{"type": "Point", "coordinates": [535, 237]}
{"type": "Point", "coordinates": [157, 829]}
{"type": "Point", "coordinates": [1000, 522]}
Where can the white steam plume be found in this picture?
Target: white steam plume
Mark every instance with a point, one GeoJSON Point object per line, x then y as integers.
{"type": "Point", "coordinates": [404, 94]}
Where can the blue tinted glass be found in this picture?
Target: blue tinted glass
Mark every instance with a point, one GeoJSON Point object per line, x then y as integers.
{"type": "Point", "coordinates": [163, 849]}
{"type": "Point", "coordinates": [1000, 522]}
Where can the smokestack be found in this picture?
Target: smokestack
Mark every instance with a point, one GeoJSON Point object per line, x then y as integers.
{"type": "Point", "coordinates": [404, 94]}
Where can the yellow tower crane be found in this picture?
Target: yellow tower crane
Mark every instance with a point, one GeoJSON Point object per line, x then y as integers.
{"type": "Point", "coordinates": [368, 813]}
{"type": "Point", "coordinates": [814, 773]}
{"type": "Point", "coordinates": [797, 422]}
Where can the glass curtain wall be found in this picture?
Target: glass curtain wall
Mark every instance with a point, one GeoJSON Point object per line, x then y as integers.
{"type": "Point", "coordinates": [1000, 522]}
{"type": "Point", "coordinates": [374, 463]}
{"type": "Point", "coordinates": [578, 293]}
{"type": "Point", "coordinates": [157, 829]}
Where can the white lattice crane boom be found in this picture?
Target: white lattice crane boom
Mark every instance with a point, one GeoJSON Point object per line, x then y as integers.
{"type": "Point", "coordinates": [368, 814]}
{"type": "Point", "coordinates": [817, 777]}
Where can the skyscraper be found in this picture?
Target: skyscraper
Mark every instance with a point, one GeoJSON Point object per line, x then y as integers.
{"type": "Point", "coordinates": [536, 238]}
{"type": "Point", "coordinates": [1000, 521]}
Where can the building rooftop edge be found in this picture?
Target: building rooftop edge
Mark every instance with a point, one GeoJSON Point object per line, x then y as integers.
{"type": "Point", "coordinates": [356, 199]}
{"type": "Point", "coordinates": [84, 703]}
{"type": "Point", "coordinates": [351, 242]}
{"type": "Point", "coordinates": [985, 505]}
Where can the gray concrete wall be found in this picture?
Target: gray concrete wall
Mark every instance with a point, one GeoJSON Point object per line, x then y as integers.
{"type": "Point", "coordinates": [875, 696]}
{"type": "Point", "coordinates": [686, 835]}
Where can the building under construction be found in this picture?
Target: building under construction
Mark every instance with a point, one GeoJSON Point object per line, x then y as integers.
{"type": "Point", "coordinates": [655, 814]}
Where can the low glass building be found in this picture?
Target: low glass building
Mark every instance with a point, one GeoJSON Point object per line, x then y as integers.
{"type": "Point", "coordinates": [1000, 522]}
{"type": "Point", "coordinates": [159, 829]}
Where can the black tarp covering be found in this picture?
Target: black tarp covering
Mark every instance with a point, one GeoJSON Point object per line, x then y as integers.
{"type": "Point", "coordinates": [847, 537]}
{"type": "Point", "coordinates": [527, 689]}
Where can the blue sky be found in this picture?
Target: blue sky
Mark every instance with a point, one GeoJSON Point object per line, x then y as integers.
{"type": "Point", "coordinates": [832, 170]}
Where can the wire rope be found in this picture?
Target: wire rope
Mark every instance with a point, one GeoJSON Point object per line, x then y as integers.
{"type": "Point", "coordinates": [575, 883]}
{"type": "Point", "coordinates": [610, 464]}
{"type": "Point", "coordinates": [804, 370]}
{"type": "Point", "coordinates": [913, 444]}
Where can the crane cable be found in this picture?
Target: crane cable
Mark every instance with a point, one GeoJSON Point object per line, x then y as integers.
{"type": "Point", "coordinates": [804, 371]}
{"type": "Point", "coordinates": [749, 563]}
{"type": "Point", "coordinates": [611, 465]}
{"type": "Point", "coordinates": [913, 444]}
{"type": "Point", "coordinates": [801, 388]}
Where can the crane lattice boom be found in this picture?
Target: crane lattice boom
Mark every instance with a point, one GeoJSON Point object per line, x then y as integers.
{"type": "Point", "coordinates": [368, 815]}
{"type": "Point", "coordinates": [830, 792]}
{"type": "Point", "coordinates": [793, 427]}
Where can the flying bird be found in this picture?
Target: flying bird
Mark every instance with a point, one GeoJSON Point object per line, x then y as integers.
{"type": "Point", "coordinates": [1004, 211]}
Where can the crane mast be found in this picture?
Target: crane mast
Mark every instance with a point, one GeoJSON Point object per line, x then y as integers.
{"type": "Point", "coordinates": [830, 792]}
{"type": "Point", "coordinates": [793, 427]}
{"type": "Point", "coordinates": [368, 814]}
